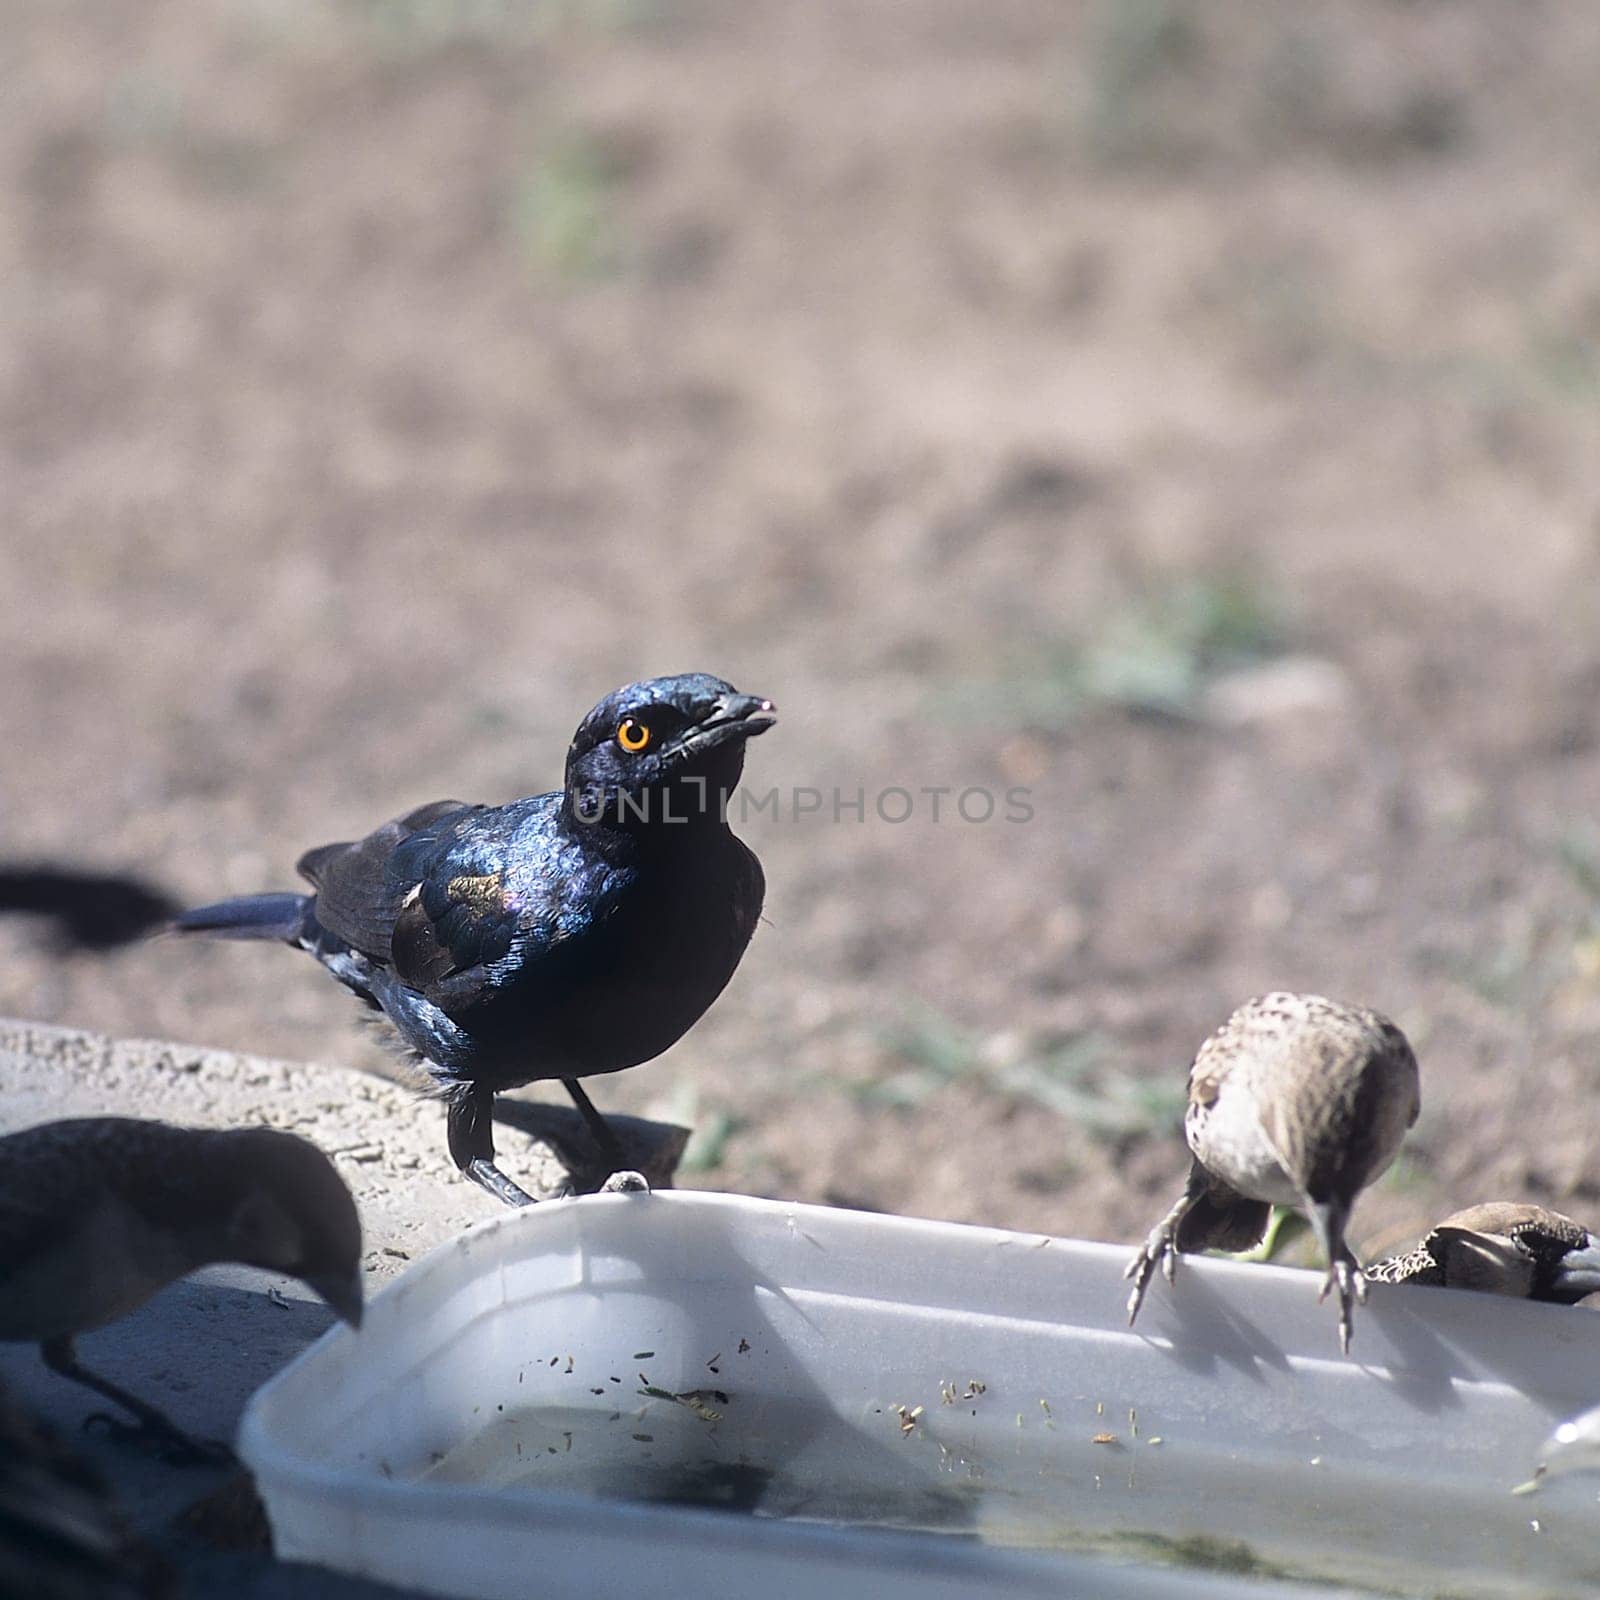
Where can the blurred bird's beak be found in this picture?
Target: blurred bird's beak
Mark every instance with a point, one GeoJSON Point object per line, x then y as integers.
{"type": "Point", "coordinates": [1579, 1272]}
{"type": "Point", "coordinates": [343, 1294]}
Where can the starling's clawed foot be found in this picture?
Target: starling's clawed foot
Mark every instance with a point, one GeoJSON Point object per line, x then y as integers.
{"type": "Point", "coordinates": [162, 1439]}
{"type": "Point", "coordinates": [487, 1175]}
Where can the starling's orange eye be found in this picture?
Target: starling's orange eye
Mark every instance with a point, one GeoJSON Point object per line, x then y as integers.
{"type": "Point", "coordinates": [632, 735]}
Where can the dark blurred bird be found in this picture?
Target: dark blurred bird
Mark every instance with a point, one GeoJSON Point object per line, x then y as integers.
{"type": "Point", "coordinates": [99, 1213]}
{"type": "Point", "coordinates": [573, 933]}
{"type": "Point", "coordinates": [1295, 1100]}
{"type": "Point", "coordinates": [1502, 1248]}
{"type": "Point", "coordinates": [61, 1535]}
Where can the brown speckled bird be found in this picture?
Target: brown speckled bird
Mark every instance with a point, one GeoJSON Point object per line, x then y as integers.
{"type": "Point", "coordinates": [1502, 1248]}
{"type": "Point", "coordinates": [99, 1213]}
{"type": "Point", "coordinates": [1295, 1100]}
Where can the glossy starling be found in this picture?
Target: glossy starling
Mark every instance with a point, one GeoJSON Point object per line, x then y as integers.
{"type": "Point", "coordinates": [1502, 1248]}
{"type": "Point", "coordinates": [1295, 1100]}
{"type": "Point", "coordinates": [99, 1213]}
{"type": "Point", "coordinates": [569, 934]}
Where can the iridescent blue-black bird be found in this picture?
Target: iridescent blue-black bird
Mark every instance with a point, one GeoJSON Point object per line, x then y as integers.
{"type": "Point", "coordinates": [560, 936]}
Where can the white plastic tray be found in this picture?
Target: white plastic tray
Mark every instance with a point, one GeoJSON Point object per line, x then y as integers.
{"type": "Point", "coordinates": [468, 1439]}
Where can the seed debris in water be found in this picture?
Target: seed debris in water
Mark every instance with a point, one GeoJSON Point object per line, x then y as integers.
{"type": "Point", "coordinates": [744, 1347]}
{"type": "Point", "coordinates": [908, 1419]}
{"type": "Point", "coordinates": [1104, 1438]}
{"type": "Point", "coordinates": [690, 1399]}
{"type": "Point", "coordinates": [643, 1355]}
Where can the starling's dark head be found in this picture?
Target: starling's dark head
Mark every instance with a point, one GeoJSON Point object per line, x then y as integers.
{"type": "Point", "coordinates": [294, 1214]}
{"type": "Point", "coordinates": [668, 750]}
{"type": "Point", "coordinates": [1516, 1249]}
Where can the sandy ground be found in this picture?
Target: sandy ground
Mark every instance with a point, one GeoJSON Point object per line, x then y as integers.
{"type": "Point", "coordinates": [1190, 421]}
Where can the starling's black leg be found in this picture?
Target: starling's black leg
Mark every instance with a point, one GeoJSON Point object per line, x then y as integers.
{"type": "Point", "coordinates": [470, 1127]}
{"type": "Point", "coordinates": [598, 1126]}
{"type": "Point", "coordinates": [175, 1445]}
{"type": "Point", "coordinates": [619, 1179]}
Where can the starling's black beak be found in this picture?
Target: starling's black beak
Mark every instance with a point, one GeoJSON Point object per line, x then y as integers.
{"type": "Point", "coordinates": [343, 1294]}
{"type": "Point", "coordinates": [1578, 1272]}
{"type": "Point", "coordinates": [752, 714]}
{"type": "Point", "coordinates": [730, 717]}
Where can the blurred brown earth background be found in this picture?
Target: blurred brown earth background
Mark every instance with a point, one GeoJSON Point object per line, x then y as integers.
{"type": "Point", "coordinates": [1187, 414]}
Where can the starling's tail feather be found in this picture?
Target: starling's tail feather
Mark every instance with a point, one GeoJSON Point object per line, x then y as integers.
{"type": "Point", "coordinates": [256, 916]}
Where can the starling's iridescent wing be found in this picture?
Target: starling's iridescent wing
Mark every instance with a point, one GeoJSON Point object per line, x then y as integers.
{"type": "Point", "coordinates": [453, 928]}
{"type": "Point", "coordinates": [358, 899]}
{"type": "Point", "coordinates": [501, 889]}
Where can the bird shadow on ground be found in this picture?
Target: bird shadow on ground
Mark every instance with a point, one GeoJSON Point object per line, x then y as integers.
{"type": "Point", "coordinates": [1209, 1330]}
{"type": "Point", "coordinates": [1427, 1374]}
{"type": "Point", "coordinates": [85, 910]}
